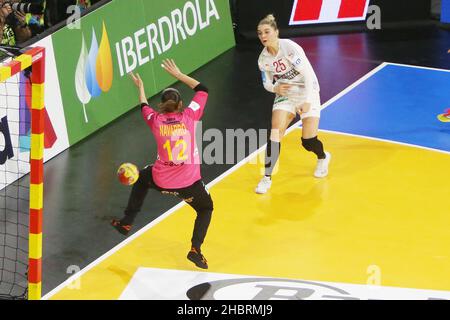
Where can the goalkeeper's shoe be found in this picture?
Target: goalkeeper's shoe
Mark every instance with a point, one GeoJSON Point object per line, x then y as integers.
{"type": "Point", "coordinates": [122, 228]}
{"type": "Point", "coordinates": [196, 257]}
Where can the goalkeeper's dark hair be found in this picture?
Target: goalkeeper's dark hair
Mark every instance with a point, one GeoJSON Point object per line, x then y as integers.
{"type": "Point", "coordinates": [170, 101]}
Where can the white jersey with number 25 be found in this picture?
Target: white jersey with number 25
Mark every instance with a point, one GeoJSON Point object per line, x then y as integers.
{"type": "Point", "coordinates": [290, 65]}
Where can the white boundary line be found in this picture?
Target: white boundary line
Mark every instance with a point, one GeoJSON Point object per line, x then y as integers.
{"type": "Point", "coordinates": [209, 185]}
{"type": "Point", "coordinates": [343, 92]}
{"type": "Point", "coordinates": [416, 67]}
{"type": "Point", "coordinates": [112, 251]}
{"type": "Point", "coordinates": [351, 87]}
{"type": "Point", "coordinates": [385, 140]}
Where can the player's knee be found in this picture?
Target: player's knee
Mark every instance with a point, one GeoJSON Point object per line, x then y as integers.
{"type": "Point", "coordinates": [206, 204]}
{"type": "Point", "coordinates": [310, 143]}
{"type": "Point", "coordinates": [145, 176]}
{"type": "Point", "coordinates": [209, 205]}
{"type": "Point", "coordinates": [205, 213]}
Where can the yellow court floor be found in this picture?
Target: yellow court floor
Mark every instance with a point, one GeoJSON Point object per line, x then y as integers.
{"type": "Point", "coordinates": [384, 207]}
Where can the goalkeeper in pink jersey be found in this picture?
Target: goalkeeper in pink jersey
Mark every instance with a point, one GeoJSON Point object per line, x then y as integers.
{"type": "Point", "coordinates": [176, 170]}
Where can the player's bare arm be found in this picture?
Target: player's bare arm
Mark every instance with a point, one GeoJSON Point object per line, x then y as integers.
{"type": "Point", "coordinates": [140, 85]}
{"type": "Point", "coordinates": [170, 66]}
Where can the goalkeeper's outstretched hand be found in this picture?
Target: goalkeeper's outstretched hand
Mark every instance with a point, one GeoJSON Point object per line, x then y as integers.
{"type": "Point", "coordinates": [137, 80]}
{"type": "Point", "coordinates": [170, 66]}
{"type": "Point", "coordinates": [140, 85]}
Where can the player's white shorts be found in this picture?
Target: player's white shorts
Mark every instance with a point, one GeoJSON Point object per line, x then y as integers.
{"type": "Point", "coordinates": [295, 98]}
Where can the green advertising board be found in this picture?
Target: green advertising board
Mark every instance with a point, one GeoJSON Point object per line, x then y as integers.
{"type": "Point", "coordinates": [94, 60]}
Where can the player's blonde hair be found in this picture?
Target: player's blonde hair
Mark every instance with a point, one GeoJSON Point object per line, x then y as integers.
{"type": "Point", "coordinates": [270, 20]}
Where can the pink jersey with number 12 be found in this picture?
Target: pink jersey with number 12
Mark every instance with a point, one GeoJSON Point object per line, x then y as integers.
{"type": "Point", "coordinates": [178, 162]}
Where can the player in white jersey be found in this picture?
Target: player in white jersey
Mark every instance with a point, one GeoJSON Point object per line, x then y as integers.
{"type": "Point", "coordinates": [287, 72]}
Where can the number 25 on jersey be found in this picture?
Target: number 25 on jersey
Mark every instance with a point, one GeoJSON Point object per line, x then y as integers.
{"type": "Point", "coordinates": [279, 66]}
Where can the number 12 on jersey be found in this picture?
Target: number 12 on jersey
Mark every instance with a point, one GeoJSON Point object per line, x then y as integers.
{"type": "Point", "coordinates": [181, 155]}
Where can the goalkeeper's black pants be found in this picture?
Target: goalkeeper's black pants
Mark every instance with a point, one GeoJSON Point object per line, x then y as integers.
{"type": "Point", "coordinates": [196, 195]}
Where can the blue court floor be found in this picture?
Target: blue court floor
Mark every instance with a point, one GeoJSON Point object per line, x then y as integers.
{"type": "Point", "coordinates": [398, 103]}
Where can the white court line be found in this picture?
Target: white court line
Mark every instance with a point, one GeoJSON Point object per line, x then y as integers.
{"type": "Point", "coordinates": [351, 87]}
{"type": "Point", "coordinates": [416, 67]}
{"type": "Point", "coordinates": [209, 185]}
{"type": "Point", "coordinates": [343, 92]}
{"type": "Point", "coordinates": [385, 140]}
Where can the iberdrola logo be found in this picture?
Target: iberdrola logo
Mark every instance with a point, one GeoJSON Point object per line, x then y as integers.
{"type": "Point", "coordinates": [94, 73]}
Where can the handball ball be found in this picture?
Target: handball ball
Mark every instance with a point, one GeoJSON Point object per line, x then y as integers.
{"type": "Point", "coordinates": [128, 173]}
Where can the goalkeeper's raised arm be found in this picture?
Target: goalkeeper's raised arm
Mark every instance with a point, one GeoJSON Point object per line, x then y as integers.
{"type": "Point", "coordinates": [171, 68]}
{"type": "Point", "coordinates": [140, 85]}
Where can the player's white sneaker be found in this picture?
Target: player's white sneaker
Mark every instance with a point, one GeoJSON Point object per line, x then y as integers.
{"type": "Point", "coordinates": [322, 166]}
{"type": "Point", "coordinates": [263, 185]}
